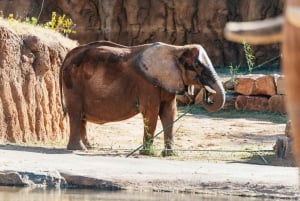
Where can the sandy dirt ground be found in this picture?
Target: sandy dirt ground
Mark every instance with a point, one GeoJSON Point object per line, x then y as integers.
{"type": "Point", "coordinates": [228, 139]}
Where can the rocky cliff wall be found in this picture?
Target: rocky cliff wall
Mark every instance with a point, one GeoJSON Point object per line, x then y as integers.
{"type": "Point", "coordinates": [30, 108]}
{"type": "Point", "coordinates": [132, 22]}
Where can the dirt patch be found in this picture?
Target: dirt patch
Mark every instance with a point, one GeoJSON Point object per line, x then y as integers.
{"type": "Point", "coordinates": [198, 137]}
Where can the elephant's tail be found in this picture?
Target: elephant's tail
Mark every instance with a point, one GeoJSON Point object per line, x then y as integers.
{"type": "Point", "coordinates": [61, 91]}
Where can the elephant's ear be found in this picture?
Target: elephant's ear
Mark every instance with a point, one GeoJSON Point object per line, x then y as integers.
{"type": "Point", "coordinates": [158, 64]}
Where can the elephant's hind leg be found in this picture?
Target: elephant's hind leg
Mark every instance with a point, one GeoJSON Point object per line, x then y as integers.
{"type": "Point", "coordinates": [84, 138]}
{"type": "Point", "coordinates": [76, 126]}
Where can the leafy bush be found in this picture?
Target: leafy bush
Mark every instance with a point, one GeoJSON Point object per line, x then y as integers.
{"type": "Point", "coordinates": [58, 23]}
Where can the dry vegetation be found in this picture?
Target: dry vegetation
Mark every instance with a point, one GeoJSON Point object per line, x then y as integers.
{"type": "Point", "coordinates": [44, 34]}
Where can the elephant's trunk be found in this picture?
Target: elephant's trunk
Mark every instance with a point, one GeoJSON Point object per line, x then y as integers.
{"type": "Point", "coordinates": [213, 102]}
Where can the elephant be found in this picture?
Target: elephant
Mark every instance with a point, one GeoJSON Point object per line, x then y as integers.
{"type": "Point", "coordinates": [104, 82]}
{"type": "Point", "coordinates": [284, 29]}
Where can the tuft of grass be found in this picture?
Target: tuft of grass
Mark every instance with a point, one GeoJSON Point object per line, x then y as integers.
{"type": "Point", "coordinates": [32, 20]}
{"type": "Point", "coordinates": [249, 56]}
{"type": "Point", "coordinates": [233, 70]}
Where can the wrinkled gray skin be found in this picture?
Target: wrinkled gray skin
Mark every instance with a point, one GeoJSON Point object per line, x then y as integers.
{"type": "Point", "coordinates": [105, 82]}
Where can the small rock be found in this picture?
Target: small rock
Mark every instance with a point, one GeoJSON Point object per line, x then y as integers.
{"type": "Point", "coordinates": [11, 178]}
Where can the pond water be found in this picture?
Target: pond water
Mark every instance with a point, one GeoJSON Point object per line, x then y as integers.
{"type": "Point", "coordinates": [29, 194]}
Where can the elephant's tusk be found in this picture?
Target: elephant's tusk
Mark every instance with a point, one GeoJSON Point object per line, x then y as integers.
{"type": "Point", "coordinates": [293, 15]}
{"type": "Point", "coordinates": [256, 32]}
{"type": "Point", "coordinates": [209, 89]}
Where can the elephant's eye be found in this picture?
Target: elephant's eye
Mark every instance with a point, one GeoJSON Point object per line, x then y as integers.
{"type": "Point", "coordinates": [199, 67]}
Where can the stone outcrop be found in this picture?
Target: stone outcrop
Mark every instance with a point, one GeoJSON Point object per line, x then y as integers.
{"type": "Point", "coordinates": [30, 59]}
{"type": "Point", "coordinates": [132, 22]}
{"type": "Point", "coordinates": [32, 179]}
{"type": "Point", "coordinates": [257, 92]}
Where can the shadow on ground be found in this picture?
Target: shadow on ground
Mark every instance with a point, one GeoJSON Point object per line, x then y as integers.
{"type": "Point", "coordinates": [35, 149]}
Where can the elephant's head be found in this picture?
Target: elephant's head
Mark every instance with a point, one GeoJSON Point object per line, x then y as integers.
{"type": "Point", "coordinates": [175, 67]}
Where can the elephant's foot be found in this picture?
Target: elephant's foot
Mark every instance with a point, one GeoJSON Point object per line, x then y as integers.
{"type": "Point", "coordinates": [168, 151]}
{"type": "Point", "coordinates": [147, 150]}
{"type": "Point", "coordinates": [76, 146]}
{"type": "Point", "coordinates": [88, 145]}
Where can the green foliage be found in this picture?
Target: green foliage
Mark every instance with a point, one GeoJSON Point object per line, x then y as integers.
{"type": "Point", "coordinates": [11, 17]}
{"type": "Point", "coordinates": [32, 20]}
{"type": "Point", "coordinates": [58, 23]}
{"type": "Point", "coordinates": [249, 56]}
{"type": "Point", "coordinates": [233, 70]}
{"type": "Point", "coordinates": [61, 24]}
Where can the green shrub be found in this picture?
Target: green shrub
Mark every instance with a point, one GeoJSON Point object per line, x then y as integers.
{"type": "Point", "coordinates": [61, 24]}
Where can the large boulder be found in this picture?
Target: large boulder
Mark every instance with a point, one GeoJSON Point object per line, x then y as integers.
{"type": "Point", "coordinates": [255, 84]}
{"type": "Point", "coordinates": [30, 58]}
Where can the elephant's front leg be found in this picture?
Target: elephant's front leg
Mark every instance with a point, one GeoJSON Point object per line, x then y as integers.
{"type": "Point", "coordinates": [167, 115]}
{"type": "Point", "coordinates": [150, 121]}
